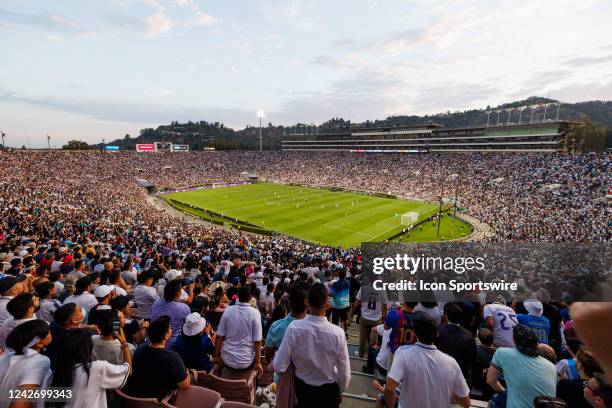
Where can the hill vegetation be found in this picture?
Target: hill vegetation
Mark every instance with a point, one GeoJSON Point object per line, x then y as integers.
{"type": "Point", "coordinates": [214, 134]}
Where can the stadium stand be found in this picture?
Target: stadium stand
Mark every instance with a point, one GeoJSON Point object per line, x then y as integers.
{"type": "Point", "coordinates": [102, 291]}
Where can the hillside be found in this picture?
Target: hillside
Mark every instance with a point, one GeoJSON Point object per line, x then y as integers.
{"type": "Point", "coordinates": [214, 134]}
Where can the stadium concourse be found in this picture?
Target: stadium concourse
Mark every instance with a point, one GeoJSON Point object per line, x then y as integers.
{"type": "Point", "coordinates": [102, 292]}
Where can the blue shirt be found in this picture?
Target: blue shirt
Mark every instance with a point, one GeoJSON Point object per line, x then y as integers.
{"type": "Point", "coordinates": [340, 292]}
{"type": "Point", "coordinates": [526, 377]}
{"type": "Point", "coordinates": [539, 324]}
{"type": "Point", "coordinates": [277, 332]}
{"type": "Point", "coordinates": [193, 357]}
{"type": "Point", "coordinates": [402, 332]}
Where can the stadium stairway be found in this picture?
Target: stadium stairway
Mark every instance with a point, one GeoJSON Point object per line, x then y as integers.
{"type": "Point", "coordinates": [361, 392]}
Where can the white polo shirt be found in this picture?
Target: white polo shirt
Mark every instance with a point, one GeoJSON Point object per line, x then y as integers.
{"type": "Point", "coordinates": [428, 378]}
{"type": "Point", "coordinates": [86, 300]}
{"type": "Point", "coordinates": [241, 326]}
{"type": "Point", "coordinates": [371, 307]}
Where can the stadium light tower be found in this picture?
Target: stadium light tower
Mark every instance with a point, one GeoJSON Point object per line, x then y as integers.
{"type": "Point", "coordinates": [488, 115]}
{"type": "Point", "coordinates": [521, 109]}
{"type": "Point", "coordinates": [49, 141]}
{"type": "Point", "coordinates": [558, 109]}
{"type": "Point", "coordinates": [498, 117]}
{"type": "Point", "coordinates": [545, 109]}
{"type": "Point", "coordinates": [533, 108]}
{"type": "Point", "coordinates": [3, 135]}
{"type": "Point", "coordinates": [260, 115]}
{"type": "Point", "coordinates": [509, 113]}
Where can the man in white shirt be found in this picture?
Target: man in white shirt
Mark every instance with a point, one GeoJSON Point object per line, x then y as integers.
{"type": "Point", "coordinates": [239, 336]}
{"type": "Point", "coordinates": [373, 307]}
{"type": "Point", "coordinates": [21, 308]}
{"type": "Point", "coordinates": [145, 295]}
{"type": "Point", "coordinates": [500, 319]}
{"type": "Point", "coordinates": [428, 377]}
{"type": "Point", "coordinates": [9, 288]}
{"type": "Point", "coordinates": [319, 353]}
{"type": "Point", "coordinates": [82, 295]}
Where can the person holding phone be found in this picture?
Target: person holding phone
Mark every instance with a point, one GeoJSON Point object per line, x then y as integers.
{"type": "Point", "coordinates": [109, 344]}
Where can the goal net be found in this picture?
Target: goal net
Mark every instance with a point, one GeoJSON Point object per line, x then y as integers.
{"type": "Point", "coordinates": [409, 218]}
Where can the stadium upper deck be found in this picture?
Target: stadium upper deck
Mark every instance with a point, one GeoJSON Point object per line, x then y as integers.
{"type": "Point", "coordinates": [537, 137]}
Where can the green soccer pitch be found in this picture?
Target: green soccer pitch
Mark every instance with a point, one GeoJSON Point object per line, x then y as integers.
{"type": "Point", "coordinates": [334, 218]}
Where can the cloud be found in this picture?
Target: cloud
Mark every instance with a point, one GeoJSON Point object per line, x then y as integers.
{"type": "Point", "coordinates": [585, 61]}
{"type": "Point", "coordinates": [182, 3]}
{"type": "Point", "coordinates": [157, 24]}
{"type": "Point", "coordinates": [206, 19]}
{"type": "Point", "coordinates": [52, 22]}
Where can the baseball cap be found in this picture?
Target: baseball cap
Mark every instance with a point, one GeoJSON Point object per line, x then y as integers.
{"type": "Point", "coordinates": [534, 307]}
{"type": "Point", "coordinates": [172, 274]}
{"type": "Point", "coordinates": [103, 290]}
{"type": "Point", "coordinates": [7, 283]}
{"type": "Point", "coordinates": [194, 324]}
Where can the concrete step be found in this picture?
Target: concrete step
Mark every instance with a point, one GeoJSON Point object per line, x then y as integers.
{"type": "Point", "coordinates": [357, 401]}
{"type": "Point", "coordinates": [357, 363]}
{"type": "Point", "coordinates": [361, 384]}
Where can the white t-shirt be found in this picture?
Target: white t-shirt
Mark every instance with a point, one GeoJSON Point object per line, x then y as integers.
{"type": "Point", "coordinates": [381, 358]}
{"type": "Point", "coordinates": [8, 326]}
{"type": "Point", "coordinates": [47, 308]}
{"type": "Point", "coordinates": [371, 308]}
{"type": "Point", "coordinates": [504, 318]}
{"type": "Point", "coordinates": [29, 368]}
{"type": "Point", "coordinates": [86, 300]}
{"type": "Point", "coordinates": [428, 378]}
{"type": "Point", "coordinates": [102, 376]}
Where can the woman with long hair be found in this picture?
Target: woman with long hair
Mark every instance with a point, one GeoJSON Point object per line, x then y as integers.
{"type": "Point", "coordinates": [21, 365]}
{"type": "Point", "coordinates": [88, 379]}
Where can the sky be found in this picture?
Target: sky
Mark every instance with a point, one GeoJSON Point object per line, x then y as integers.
{"type": "Point", "coordinates": [93, 70]}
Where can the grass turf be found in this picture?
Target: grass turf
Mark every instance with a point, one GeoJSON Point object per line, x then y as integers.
{"type": "Point", "coordinates": [332, 218]}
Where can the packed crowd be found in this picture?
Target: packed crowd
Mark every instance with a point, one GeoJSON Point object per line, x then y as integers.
{"type": "Point", "coordinates": [100, 291]}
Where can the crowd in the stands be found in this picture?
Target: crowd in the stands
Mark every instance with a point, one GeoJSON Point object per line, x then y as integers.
{"type": "Point", "coordinates": [114, 298]}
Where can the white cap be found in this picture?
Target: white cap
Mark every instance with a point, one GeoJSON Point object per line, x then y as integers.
{"type": "Point", "coordinates": [534, 307]}
{"type": "Point", "coordinates": [103, 290]}
{"type": "Point", "coordinates": [194, 324]}
{"type": "Point", "coordinates": [172, 274]}
{"type": "Point", "coordinates": [287, 281]}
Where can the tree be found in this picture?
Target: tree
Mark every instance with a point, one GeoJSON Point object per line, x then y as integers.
{"type": "Point", "coordinates": [587, 137]}
{"type": "Point", "coordinates": [76, 145]}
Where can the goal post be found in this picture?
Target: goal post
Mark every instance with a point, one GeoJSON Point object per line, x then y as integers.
{"type": "Point", "coordinates": [409, 218]}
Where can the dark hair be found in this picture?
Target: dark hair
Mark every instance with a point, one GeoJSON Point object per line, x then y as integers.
{"type": "Point", "coordinates": [297, 296]}
{"type": "Point", "coordinates": [64, 313]}
{"type": "Point", "coordinates": [19, 305]}
{"type": "Point", "coordinates": [485, 336]}
{"type": "Point", "coordinates": [119, 302]}
{"type": "Point", "coordinates": [81, 285]}
{"type": "Point", "coordinates": [278, 313]}
{"type": "Point", "coordinates": [587, 361]}
{"type": "Point", "coordinates": [269, 288]}
{"type": "Point", "coordinates": [25, 333]}
{"type": "Point", "coordinates": [244, 293]}
{"type": "Point", "coordinates": [199, 304]}
{"type": "Point", "coordinates": [105, 319]}
{"type": "Point", "coordinates": [604, 389]}
{"type": "Point", "coordinates": [158, 329]}
{"type": "Point", "coordinates": [317, 298]}
{"type": "Point", "coordinates": [424, 327]}
{"type": "Point", "coordinates": [144, 276]}
{"type": "Point", "coordinates": [43, 289]}
{"type": "Point", "coordinates": [172, 290]}
{"type": "Point", "coordinates": [574, 344]}
{"type": "Point", "coordinates": [41, 269]}
{"type": "Point", "coordinates": [411, 305]}
{"type": "Point", "coordinates": [54, 276]}
{"type": "Point", "coordinates": [453, 312]}
{"type": "Point", "coordinates": [74, 350]}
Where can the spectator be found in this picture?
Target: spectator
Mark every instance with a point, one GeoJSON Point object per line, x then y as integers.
{"type": "Point", "coordinates": [500, 319]}
{"type": "Point", "coordinates": [426, 377]}
{"type": "Point", "coordinates": [399, 320]}
{"type": "Point", "coordinates": [108, 345]}
{"type": "Point", "coordinates": [238, 344]}
{"type": "Point", "coordinates": [571, 391]}
{"type": "Point", "coordinates": [484, 354]}
{"type": "Point", "coordinates": [10, 287]}
{"type": "Point", "coordinates": [566, 368]}
{"type": "Point", "coordinates": [145, 295]}
{"type": "Point", "coordinates": [372, 311]}
{"type": "Point", "coordinates": [598, 391]}
{"type": "Point", "coordinates": [340, 292]}
{"type": "Point", "coordinates": [526, 374]}
{"type": "Point", "coordinates": [46, 292]}
{"type": "Point", "coordinates": [456, 341]}
{"type": "Point", "coordinates": [82, 294]}
{"type": "Point", "coordinates": [88, 379]}
{"type": "Point", "coordinates": [21, 365]}
{"type": "Point", "coordinates": [171, 306]}
{"type": "Point", "coordinates": [319, 353]}
{"type": "Point", "coordinates": [157, 370]}
{"type": "Point", "coordinates": [276, 333]}
{"type": "Point", "coordinates": [194, 345]}
{"type": "Point", "coordinates": [535, 320]}
{"type": "Point", "coordinates": [21, 308]}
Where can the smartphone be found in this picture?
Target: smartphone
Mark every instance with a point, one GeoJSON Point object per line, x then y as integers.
{"type": "Point", "coordinates": [116, 327]}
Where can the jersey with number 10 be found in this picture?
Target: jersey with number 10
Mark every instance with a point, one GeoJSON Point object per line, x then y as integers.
{"type": "Point", "coordinates": [402, 332]}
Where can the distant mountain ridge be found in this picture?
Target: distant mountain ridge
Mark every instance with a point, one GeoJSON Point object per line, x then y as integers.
{"type": "Point", "coordinates": [214, 134]}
